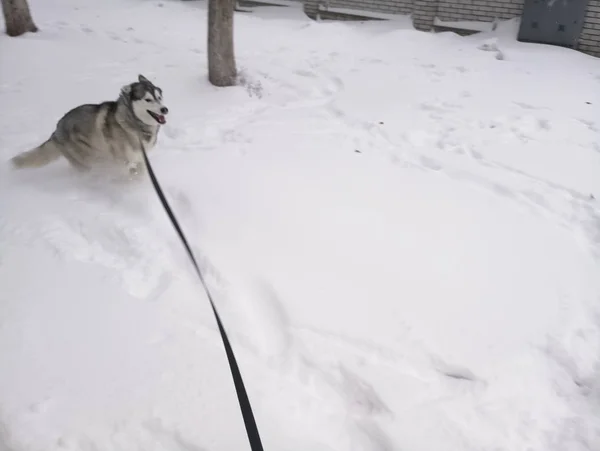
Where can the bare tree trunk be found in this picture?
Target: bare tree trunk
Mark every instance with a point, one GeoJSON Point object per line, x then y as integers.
{"type": "Point", "coordinates": [221, 57]}
{"type": "Point", "coordinates": [17, 17]}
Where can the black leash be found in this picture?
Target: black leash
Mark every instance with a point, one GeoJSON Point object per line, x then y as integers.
{"type": "Point", "coordinates": [247, 414]}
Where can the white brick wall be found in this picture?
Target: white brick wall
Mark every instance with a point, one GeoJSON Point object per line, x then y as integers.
{"type": "Point", "coordinates": [589, 40]}
{"type": "Point", "coordinates": [423, 14]}
{"type": "Point", "coordinates": [380, 6]}
{"type": "Point", "coordinates": [424, 11]}
{"type": "Point", "coordinates": [479, 10]}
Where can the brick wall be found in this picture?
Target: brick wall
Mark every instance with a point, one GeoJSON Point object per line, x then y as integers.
{"type": "Point", "coordinates": [424, 12]}
{"type": "Point", "coordinates": [589, 40]}
{"type": "Point", "coordinates": [479, 10]}
{"type": "Point", "coordinates": [379, 6]}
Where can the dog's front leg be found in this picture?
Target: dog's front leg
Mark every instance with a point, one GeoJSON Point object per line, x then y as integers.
{"type": "Point", "coordinates": [134, 162]}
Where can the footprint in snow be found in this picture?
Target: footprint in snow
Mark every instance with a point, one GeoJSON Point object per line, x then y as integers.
{"type": "Point", "coordinates": [170, 439]}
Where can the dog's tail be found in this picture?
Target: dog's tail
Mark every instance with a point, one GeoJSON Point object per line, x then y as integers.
{"type": "Point", "coordinates": [37, 157]}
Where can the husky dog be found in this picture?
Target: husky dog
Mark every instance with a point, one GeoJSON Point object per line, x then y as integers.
{"type": "Point", "coordinates": [104, 134]}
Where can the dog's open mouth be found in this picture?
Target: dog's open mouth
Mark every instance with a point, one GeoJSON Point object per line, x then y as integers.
{"type": "Point", "coordinates": [157, 117]}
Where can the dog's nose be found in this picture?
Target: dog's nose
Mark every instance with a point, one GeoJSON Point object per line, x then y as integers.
{"type": "Point", "coordinates": [164, 110]}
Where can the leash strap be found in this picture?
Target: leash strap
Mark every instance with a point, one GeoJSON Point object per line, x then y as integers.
{"type": "Point", "coordinates": [247, 414]}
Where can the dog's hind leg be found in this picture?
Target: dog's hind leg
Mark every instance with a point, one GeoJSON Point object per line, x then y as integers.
{"type": "Point", "coordinates": [74, 158]}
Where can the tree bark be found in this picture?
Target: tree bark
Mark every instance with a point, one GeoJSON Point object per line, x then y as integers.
{"type": "Point", "coordinates": [221, 56]}
{"type": "Point", "coordinates": [17, 17]}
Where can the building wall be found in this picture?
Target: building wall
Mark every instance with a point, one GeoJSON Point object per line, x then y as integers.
{"type": "Point", "coordinates": [379, 6]}
{"type": "Point", "coordinates": [424, 11]}
{"type": "Point", "coordinates": [479, 10]}
{"type": "Point", "coordinates": [589, 40]}
{"type": "Point", "coordinates": [423, 14]}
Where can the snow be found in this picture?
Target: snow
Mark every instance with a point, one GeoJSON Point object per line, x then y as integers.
{"type": "Point", "coordinates": [401, 231]}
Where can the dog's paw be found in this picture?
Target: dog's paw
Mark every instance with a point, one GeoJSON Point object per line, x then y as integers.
{"type": "Point", "coordinates": [137, 169]}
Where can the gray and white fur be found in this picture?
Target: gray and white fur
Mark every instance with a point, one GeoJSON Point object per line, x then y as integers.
{"type": "Point", "coordinates": [105, 134]}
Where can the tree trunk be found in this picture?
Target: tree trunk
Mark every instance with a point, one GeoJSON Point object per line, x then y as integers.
{"type": "Point", "coordinates": [221, 57]}
{"type": "Point", "coordinates": [17, 17]}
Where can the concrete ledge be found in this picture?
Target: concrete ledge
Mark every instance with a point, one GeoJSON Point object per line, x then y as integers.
{"type": "Point", "coordinates": [257, 3]}
{"type": "Point", "coordinates": [463, 27]}
{"type": "Point", "coordinates": [354, 14]}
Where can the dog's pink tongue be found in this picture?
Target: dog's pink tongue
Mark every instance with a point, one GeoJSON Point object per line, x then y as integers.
{"type": "Point", "coordinates": [162, 120]}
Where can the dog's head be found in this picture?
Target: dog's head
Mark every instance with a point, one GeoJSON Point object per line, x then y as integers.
{"type": "Point", "coordinates": [146, 101]}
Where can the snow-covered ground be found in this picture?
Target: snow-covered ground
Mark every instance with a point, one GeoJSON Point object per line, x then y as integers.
{"type": "Point", "coordinates": [401, 230]}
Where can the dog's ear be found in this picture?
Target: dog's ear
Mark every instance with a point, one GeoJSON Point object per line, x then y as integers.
{"type": "Point", "coordinates": [143, 79]}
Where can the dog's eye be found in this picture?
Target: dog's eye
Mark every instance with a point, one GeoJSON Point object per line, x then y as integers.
{"type": "Point", "coordinates": [148, 100]}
